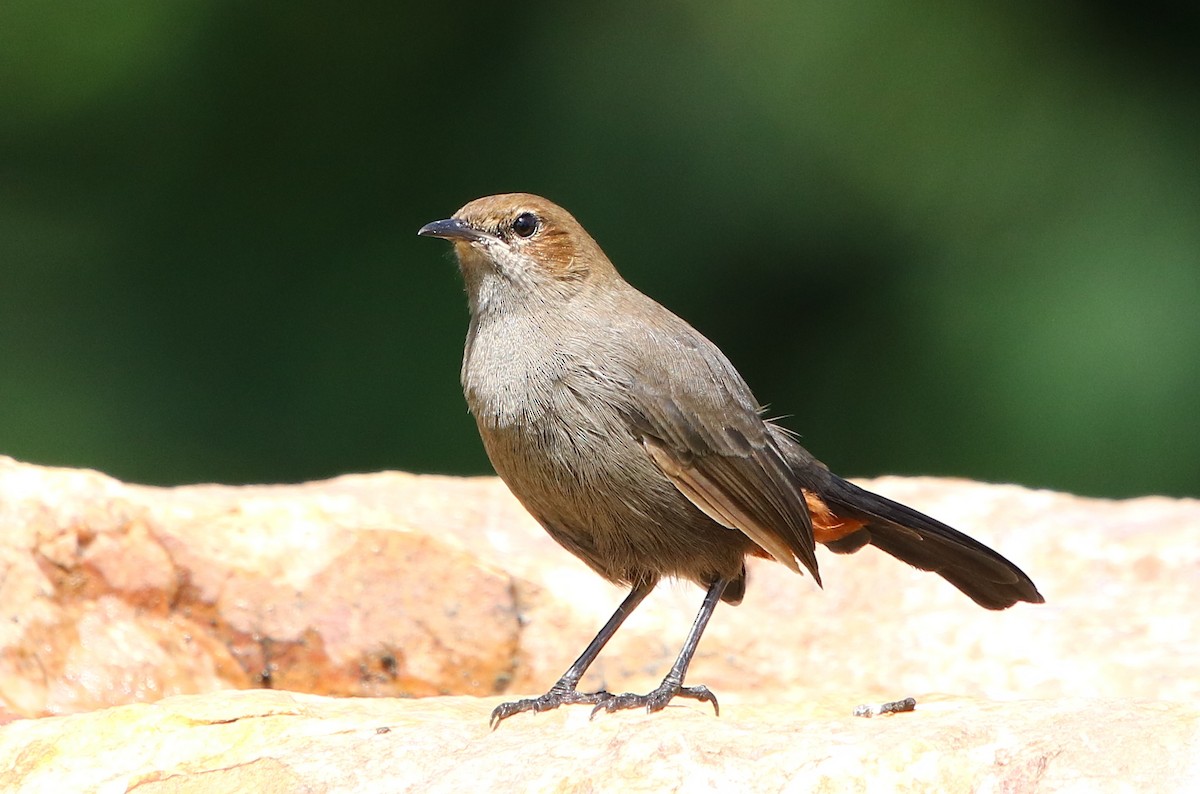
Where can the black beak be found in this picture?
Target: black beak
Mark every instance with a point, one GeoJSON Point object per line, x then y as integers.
{"type": "Point", "coordinates": [452, 229]}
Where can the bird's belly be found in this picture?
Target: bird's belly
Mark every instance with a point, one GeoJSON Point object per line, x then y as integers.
{"type": "Point", "coordinates": [596, 491]}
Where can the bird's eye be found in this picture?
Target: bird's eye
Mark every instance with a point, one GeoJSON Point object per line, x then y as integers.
{"type": "Point", "coordinates": [525, 224]}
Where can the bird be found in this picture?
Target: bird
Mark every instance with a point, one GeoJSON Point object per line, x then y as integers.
{"type": "Point", "coordinates": [639, 448]}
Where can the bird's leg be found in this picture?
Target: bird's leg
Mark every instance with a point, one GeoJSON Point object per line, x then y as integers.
{"type": "Point", "coordinates": [563, 692]}
{"type": "Point", "coordinates": [672, 686]}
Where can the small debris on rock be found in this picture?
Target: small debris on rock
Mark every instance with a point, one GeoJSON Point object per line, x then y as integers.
{"type": "Point", "coordinates": [895, 707]}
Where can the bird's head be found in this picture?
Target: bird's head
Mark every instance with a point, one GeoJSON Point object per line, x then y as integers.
{"type": "Point", "coordinates": [517, 247]}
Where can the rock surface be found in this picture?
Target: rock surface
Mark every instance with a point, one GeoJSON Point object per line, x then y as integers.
{"type": "Point", "coordinates": [267, 742]}
{"type": "Point", "coordinates": [401, 585]}
{"type": "Point", "coordinates": [113, 593]}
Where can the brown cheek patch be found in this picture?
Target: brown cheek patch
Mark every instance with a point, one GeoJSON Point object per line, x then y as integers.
{"type": "Point", "coordinates": [559, 255]}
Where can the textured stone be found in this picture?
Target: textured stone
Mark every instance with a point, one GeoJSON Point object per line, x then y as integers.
{"type": "Point", "coordinates": [112, 593]}
{"type": "Point", "coordinates": [263, 741]}
{"type": "Point", "coordinates": [395, 584]}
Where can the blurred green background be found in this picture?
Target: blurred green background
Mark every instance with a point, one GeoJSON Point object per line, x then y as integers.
{"type": "Point", "coordinates": [954, 239]}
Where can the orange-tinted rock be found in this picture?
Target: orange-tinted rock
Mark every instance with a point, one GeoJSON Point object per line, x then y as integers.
{"type": "Point", "coordinates": [113, 594]}
{"type": "Point", "coordinates": [395, 584]}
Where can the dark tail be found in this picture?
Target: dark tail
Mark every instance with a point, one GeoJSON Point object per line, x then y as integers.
{"type": "Point", "coordinates": [983, 574]}
{"type": "Point", "coordinates": [923, 542]}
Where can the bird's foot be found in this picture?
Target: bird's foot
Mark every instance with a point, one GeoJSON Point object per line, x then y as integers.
{"type": "Point", "coordinates": [557, 696]}
{"type": "Point", "coordinates": [657, 699]}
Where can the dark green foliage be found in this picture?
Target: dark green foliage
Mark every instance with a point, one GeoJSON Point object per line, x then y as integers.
{"type": "Point", "coordinates": [945, 239]}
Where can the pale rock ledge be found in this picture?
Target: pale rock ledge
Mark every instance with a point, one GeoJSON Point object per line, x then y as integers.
{"type": "Point", "coordinates": [114, 596]}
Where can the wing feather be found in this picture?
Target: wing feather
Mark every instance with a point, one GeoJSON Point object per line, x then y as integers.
{"type": "Point", "coordinates": [733, 473]}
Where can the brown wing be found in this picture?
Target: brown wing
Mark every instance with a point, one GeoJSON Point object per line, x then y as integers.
{"type": "Point", "coordinates": [701, 427]}
{"type": "Point", "coordinates": [740, 494]}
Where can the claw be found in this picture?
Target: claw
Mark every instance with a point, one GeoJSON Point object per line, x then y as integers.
{"type": "Point", "coordinates": [657, 699]}
{"type": "Point", "coordinates": [551, 700]}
